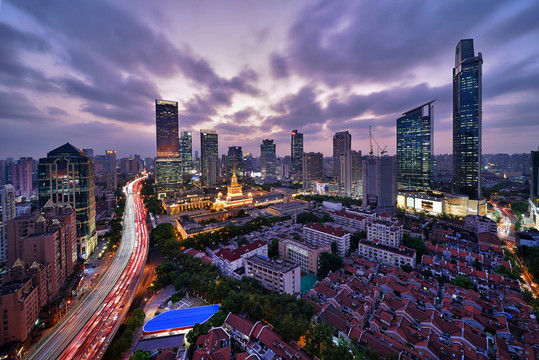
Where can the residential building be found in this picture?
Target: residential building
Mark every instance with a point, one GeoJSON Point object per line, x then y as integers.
{"type": "Point", "coordinates": [209, 156]}
{"type": "Point", "coordinates": [302, 253]}
{"type": "Point", "coordinates": [186, 152]}
{"type": "Point", "coordinates": [167, 163]}
{"type": "Point", "coordinates": [527, 239]}
{"type": "Point", "coordinates": [110, 169]}
{"type": "Point", "coordinates": [296, 155]}
{"type": "Point", "coordinates": [415, 144]}
{"type": "Point", "coordinates": [65, 177]}
{"type": "Point", "coordinates": [267, 161]}
{"type": "Point", "coordinates": [277, 275]}
{"type": "Point", "coordinates": [48, 239]}
{"type": "Point", "coordinates": [480, 224]}
{"type": "Point", "coordinates": [22, 177]}
{"type": "Point", "coordinates": [467, 120]}
{"type": "Point", "coordinates": [231, 260]}
{"type": "Point", "coordinates": [385, 230]}
{"type": "Point", "coordinates": [534, 187]}
{"type": "Point", "coordinates": [356, 176]}
{"type": "Point", "coordinates": [349, 219]}
{"type": "Point", "coordinates": [312, 168]}
{"type": "Point", "coordinates": [7, 213]}
{"type": "Point", "coordinates": [325, 235]}
{"type": "Point", "coordinates": [396, 256]}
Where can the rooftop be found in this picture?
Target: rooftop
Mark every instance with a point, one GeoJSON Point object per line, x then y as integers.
{"type": "Point", "coordinates": [180, 319]}
{"type": "Point", "coordinates": [328, 229]}
{"type": "Point", "coordinates": [283, 266]}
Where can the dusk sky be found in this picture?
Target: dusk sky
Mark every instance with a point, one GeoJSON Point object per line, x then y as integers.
{"type": "Point", "coordinates": [88, 72]}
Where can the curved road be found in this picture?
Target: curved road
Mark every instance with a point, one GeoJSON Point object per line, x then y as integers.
{"type": "Point", "coordinates": [88, 328]}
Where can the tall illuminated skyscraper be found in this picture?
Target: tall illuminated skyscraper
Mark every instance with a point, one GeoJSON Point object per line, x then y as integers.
{"type": "Point", "coordinates": [7, 212]}
{"type": "Point", "coordinates": [66, 177]}
{"type": "Point", "coordinates": [296, 154]}
{"type": "Point", "coordinates": [467, 118]}
{"type": "Point", "coordinates": [267, 161]}
{"type": "Point", "coordinates": [235, 161]}
{"type": "Point", "coordinates": [209, 147]}
{"type": "Point", "coordinates": [186, 151]}
{"type": "Point", "coordinates": [342, 145]}
{"type": "Point", "coordinates": [414, 147]}
{"type": "Point", "coordinates": [167, 163]}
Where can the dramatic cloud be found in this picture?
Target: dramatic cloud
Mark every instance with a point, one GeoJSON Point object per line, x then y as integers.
{"type": "Point", "coordinates": [257, 70]}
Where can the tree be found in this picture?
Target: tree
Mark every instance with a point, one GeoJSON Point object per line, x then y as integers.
{"type": "Point", "coordinates": [274, 248]}
{"type": "Point", "coordinates": [355, 238]}
{"type": "Point", "coordinates": [415, 243]}
{"type": "Point", "coordinates": [477, 264]}
{"type": "Point", "coordinates": [407, 268]}
{"type": "Point", "coordinates": [242, 241]}
{"type": "Point", "coordinates": [319, 337]}
{"type": "Point", "coordinates": [329, 262]}
{"type": "Point", "coordinates": [334, 248]}
{"type": "Point", "coordinates": [140, 355]}
{"type": "Point", "coordinates": [463, 282]}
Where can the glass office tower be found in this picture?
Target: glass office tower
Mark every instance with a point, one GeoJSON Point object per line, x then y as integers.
{"type": "Point", "coordinates": [209, 154]}
{"type": "Point", "coordinates": [467, 118]}
{"type": "Point", "coordinates": [296, 154]}
{"type": "Point", "coordinates": [414, 147]}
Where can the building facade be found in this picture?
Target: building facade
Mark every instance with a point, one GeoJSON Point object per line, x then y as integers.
{"type": "Point", "coordinates": [324, 235]}
{"type": "Point", "coordinates": [7, 213]}
{"type": "Point", "coordinates": [22, 177]}
{"type": "Point", "coordinates": [467, 120]}
{"type": "Point", "coordinates": [167, 164]}
{"type": "Point", "coordinates": [296, 155]}
{"type": "Point", "coordinates": [379, 185]}
{"type": "Point", "coordinates": [385, 231]}
{"type": "Point", "coordinates": [342, 144]}
{"type": "Point", "coordinates": [415, 141]}
{"type": "Point", "coordinates": [302, 253]}
{"type": "Point", "coordinates": [387, 254]}
{"type": "Point", "coordinates": [65, 176]}
{"type": "Point", "coordinates": [313, 169]}
{"type": "Point", "coordinates": [235, 161]}
{"type": "Point", "coordinates": [186, 151]}
{"type": "Point", "coordinates": [277, 275]}
{"type": "Point", "coordinates": [209, 156]}
{"type": "Point", "coordinates": [267, 161]}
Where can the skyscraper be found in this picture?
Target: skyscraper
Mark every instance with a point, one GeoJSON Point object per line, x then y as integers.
{"type": "Point", "coordinates": [379, 184]}
{"type": "Point", "coordinates": [66, 176]}
{"type": "Point", "coordinates": [356, 173]}
{"type": "Point", "coordinates": [235, 161]}
{"type": "Point", "coordinates": [186, 151]}
{"type": "Point", "coordinates": [312, 168]}
{"type": "Point", "coordinates": [467, 118]}
{"type": "Point", "coordinates": [167, 164]}
{"type": "Point", "coordinates": [342, 144]}
{"type": "Point", "coordinates": [296, 154]}
{"type": "Point", "coordinates": [267, 161]}
{"type": "Point", "coordinates": [7, 212]}
{"type": "Point", "coordinates": [166, 125]}
{"type": "Point", "coordinates": [209, 146]}
{"type": "Point", "coordinates": [534, 188]}
{"type": "Point", "coordinates": [414, 147]}
{"type": "Point", "coordinates": [110, 169]}
{"type": "Point", "coordinates": [22, 177]}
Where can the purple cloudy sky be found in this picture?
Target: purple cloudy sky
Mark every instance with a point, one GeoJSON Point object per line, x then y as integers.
{"type": "Point", "coordinates": [88, 72]}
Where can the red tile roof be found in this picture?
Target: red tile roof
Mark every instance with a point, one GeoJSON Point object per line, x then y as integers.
{"type": "Point", "coordinates": [328, 229]}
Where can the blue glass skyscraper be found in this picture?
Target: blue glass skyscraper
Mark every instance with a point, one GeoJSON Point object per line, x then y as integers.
{"type": "Point", "coordinates": [467, 118]}
{"type": "Point", "coordinates": [414, 147]}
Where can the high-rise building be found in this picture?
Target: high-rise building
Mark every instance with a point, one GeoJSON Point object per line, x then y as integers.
{"type": "Point", "coordinates": [66, 176]}
{"type": "Point", "coordinates": [110, 169]}
{"type": "Point", "coordinates": [267, 161]}
{"type": "Point", "coordinates": [467, 118]}
{"type": "Point", "coordinates": [235, 161]}
{"type": "Point", "coordinates": [379, 184]}
{"type": "Point", "coordinates": [342, 144]}
{"type": "Point", "coordinates": [209, 147]}
{"type": "Point", "coordinates": [7, 212]}
{"type": "Point", "coordinates": [166, 125]}
{"type": "Point", "coordinates": [186, 151]}
{"type": "Point", "coordinates": [167, 164]}
{"type": "Point", "coordinates": [89, 153]}
{"type": "Point", "coordinates": [415, 141]}
{"type": "Point", "coordinates": [534, 188]}
{"type": "Point", "coordinates": [312, 168]}
{"type": "Point", "coordinates": [296, 155]}
{"type": "Point", "coordinates": [356, 173]}
{"type": "Point", "coordinates": [22, 177]}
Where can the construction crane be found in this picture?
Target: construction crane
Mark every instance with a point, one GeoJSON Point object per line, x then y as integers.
{"type": "Point", "coordinates": [381, 150]}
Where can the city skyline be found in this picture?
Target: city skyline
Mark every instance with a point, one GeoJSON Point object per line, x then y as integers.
{"type": "Point", "coordinates": [300, 65]}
